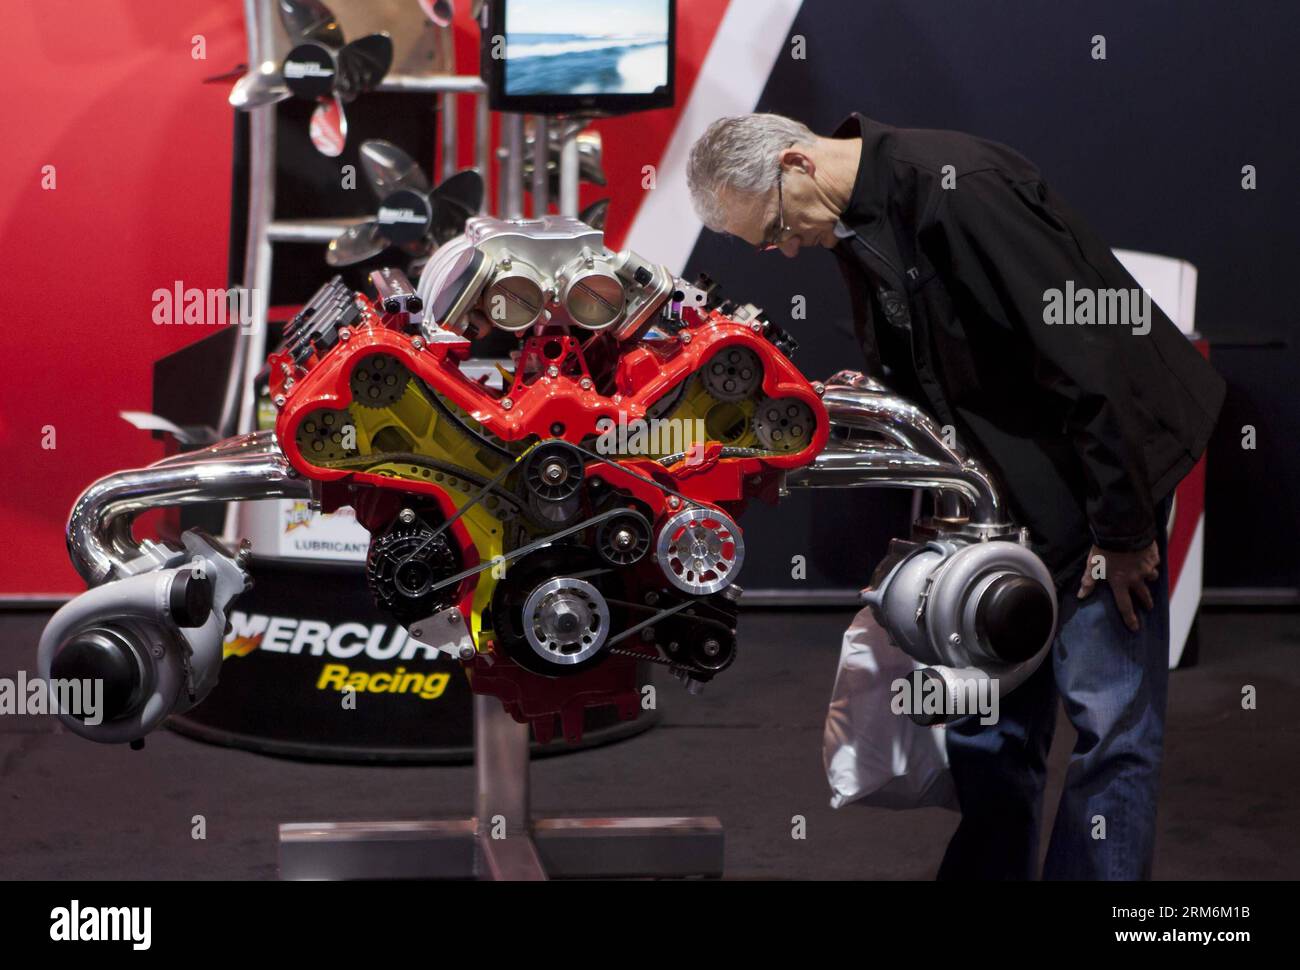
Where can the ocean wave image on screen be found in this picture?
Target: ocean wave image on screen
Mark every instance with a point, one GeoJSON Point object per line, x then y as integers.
{"type": "Point", "coordinates": [629, 58]}
{"type": "Point", "coordinates": [581, 64]}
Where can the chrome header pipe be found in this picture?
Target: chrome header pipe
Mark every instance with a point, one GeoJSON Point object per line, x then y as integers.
{"type": "Point", "coordinates": [253, 443]}
{"type": "Point", "coordinates": [99, 537]}
{"type": "Point", "coordinates": [907, 450]}
{"type": "Point", "coordinates": [844, 465]}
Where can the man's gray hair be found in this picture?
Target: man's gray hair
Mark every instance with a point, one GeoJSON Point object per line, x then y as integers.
{"type": "Point", "coordinates": [739, 154]}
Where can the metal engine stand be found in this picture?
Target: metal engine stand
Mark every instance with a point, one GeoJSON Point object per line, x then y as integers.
{"type": "Point", "coordinates": [502, 841]}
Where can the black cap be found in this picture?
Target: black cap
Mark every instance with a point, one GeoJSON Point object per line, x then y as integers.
{"type": "Point", "coordinates": [100, 654]}
{"type": "Point", "coordinates": [1014, 618]}
{"type": "Point", "coordinates": [190, 599]}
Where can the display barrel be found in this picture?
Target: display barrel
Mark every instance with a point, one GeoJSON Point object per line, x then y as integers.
{"type": "Point", "coordinates": [313, 670]}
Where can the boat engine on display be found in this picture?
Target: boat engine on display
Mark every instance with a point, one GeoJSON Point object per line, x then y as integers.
{"type": "Point", "coordinates": [555, 528]}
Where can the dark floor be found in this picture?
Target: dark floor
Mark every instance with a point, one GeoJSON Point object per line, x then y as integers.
{"type": "Point", "coordinates": [748, 751]}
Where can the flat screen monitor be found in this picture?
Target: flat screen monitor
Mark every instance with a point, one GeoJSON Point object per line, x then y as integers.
{"type": "Point", "coordinates": [579, 56]}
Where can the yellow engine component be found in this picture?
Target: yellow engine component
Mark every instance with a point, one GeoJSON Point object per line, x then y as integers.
{"type": "Point", "coordinates": [396, 427]}
{"type": "Point", "coordinates": [409, 436]}
{"type": "Point", "coordinates": [698, 416]}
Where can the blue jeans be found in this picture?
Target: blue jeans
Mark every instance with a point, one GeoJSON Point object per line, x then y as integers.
{"type": "Point", "coordinates": [1114, 684]}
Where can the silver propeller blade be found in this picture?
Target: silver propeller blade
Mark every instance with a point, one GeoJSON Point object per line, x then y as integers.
{"type": "Point", "coordinates": [310, 20]}
{"type": "Point", "coordinates": [363, 64]}
{"type": "Point", "coordinates": [329, 127]}
{"type": "Point", "coordinates": [464, 189]}
{"type": "Point", "coordinates": [389, 168]}
{"type": "Point", "coordinates": [595, 214]}
{"type": "Point", "coordinates": [259, 87]}
{"type": "Point", "coordinates": [354, 244]}
{"type": "Point", "coordinates": [454, 201]}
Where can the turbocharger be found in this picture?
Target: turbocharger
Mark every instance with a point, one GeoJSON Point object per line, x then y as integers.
{"type": "Point", "coordinates": [148, 633]}
{"type": "Point", "coordinates": [965, 597]}
{"type": "Point", "coordinates": [972, 612]}
{"type": "Point", "coordinates": [152, 640]}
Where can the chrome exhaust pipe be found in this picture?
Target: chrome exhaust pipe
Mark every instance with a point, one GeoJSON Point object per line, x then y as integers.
{"type": "Point", "coordinates": [847, 465]}
{"type": "Point", "coordinates": [253, 443]}
{"type": "Point", "coordinates": [247, 467]}
{"type": "Point", "coordinates": [856, 400]}
{"type": "Point", "coordinates": [908, 450]}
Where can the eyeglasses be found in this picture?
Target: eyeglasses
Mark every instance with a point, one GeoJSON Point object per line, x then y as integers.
{"type": "Point", "coordinates": [773, 240]}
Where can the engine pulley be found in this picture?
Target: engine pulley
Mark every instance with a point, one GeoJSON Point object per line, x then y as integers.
{"type": "Point", "coordinates": [379, 381]}
{"type": "Point", "coordinates": [624, 539]}
{"type": "Point", "coordinates": [327, 435]}
{"type": "Point", "coordinates": [700, 550]}
{"type": "Point", "coordinates": [566, 620]}
{"type": "Point", "coordinates": [553, 471]}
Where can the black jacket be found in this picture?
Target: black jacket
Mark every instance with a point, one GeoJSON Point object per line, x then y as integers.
{"type": "Point", "coordinates": [1087, 427]}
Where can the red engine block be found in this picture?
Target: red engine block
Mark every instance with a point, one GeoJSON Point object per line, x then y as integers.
{"type": "Point", "coordinates": [381, 414]}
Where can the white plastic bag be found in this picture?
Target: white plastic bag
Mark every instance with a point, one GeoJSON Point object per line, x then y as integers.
{"type": "Point", "coordinates": [871, 754]}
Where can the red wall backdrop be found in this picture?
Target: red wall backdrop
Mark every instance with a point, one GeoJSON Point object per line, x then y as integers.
{"type": "Point", "coordinates": [111, 95]}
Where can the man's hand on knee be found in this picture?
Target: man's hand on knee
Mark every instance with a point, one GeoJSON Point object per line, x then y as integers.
{"type": "Point", "coordinates": [1128, 574]}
